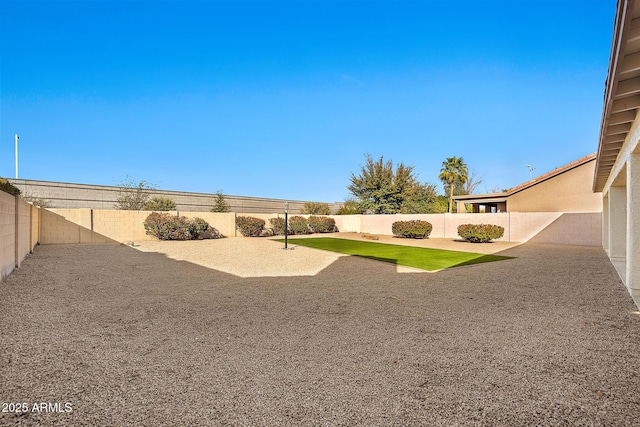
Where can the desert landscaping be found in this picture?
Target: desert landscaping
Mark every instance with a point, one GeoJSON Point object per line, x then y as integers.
{"type": "Point", "coordinates": [130, 337]}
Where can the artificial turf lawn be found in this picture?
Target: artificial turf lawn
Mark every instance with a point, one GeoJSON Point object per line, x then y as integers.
{"type": "Point", "coordinates": [410, 256]}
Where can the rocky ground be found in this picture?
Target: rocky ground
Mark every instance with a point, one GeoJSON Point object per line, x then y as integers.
{"type": "Point", "coordinates": [110, 335]}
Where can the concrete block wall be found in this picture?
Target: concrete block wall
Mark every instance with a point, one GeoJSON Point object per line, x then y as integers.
{"type": "Point", "coordinates": [528, 224]}
{"type": "Point", "coordinates": [61, 195]}
{"type": "Point", "coordinates": [115, 226]}
{"type": "Point", "coordinates": [24, 230]}
{"type": "Point", "coordinates": [18, 236]}
{"type": "Point", "coordinates": [444, 225]}
{"type": "Point", "coordinates": [574, 229]}
{"type": "Point", "coordinates": [36, 212]}
{"type": "Point", "coordinates": [7, 234]}
{"type": "Point", "coordinates": [583, 229]}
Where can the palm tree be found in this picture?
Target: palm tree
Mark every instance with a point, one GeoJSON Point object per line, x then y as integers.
{"type": "Point", "coordinates": [453, 171]}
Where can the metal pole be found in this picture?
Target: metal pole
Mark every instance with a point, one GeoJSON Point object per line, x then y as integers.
{"type": "Point", "coordinates": [17, 138]}
{"type": "Point", "coordinates": [286, 225]}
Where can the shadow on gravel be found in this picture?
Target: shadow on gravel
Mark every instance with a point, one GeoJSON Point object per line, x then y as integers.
{"type": "Point", "coordinates": [133, 338]}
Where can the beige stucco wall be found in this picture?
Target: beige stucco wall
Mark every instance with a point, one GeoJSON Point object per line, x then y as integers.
{"type": "Point", "coordinates": [19, 229]}
{"type": "Point", "coordinates": [7, 233]}
{"type": "Point", "coordinates": [24, 230]}
{"type": "Point", "coordinates": [113, 226]}
{"type": "Point", "coordinates": [567, 192]}
{"type": "Point", "coordinates": [580, 229]}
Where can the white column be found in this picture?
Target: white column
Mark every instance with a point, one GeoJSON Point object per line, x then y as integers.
{"type": "Point", "coordinates": [605, 223]}
{"type": "Point", "coordinates": [633, 221]}
{"type": "Point", "coordinates": [617, 223]}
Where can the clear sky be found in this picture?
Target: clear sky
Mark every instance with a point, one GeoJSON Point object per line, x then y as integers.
{"type": "Point", "coordinates": [284, 98]}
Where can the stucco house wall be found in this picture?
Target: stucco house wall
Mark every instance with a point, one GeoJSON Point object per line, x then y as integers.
{"type": "Point", "coordinates": [569, 191]}
{"type": "Point", "coordinates": [565, 189]}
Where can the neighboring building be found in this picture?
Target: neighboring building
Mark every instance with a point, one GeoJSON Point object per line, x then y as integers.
{"type": "Point", "coordinates": [617, 173]}
{"type": "Point", "coordinates": [565, 189]}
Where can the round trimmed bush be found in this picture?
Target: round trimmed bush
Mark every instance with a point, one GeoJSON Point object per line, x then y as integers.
{"type": "Point", "coordinates": [480, 233]}
{"type": "Point", "coordinates": [415, 229]}
{"type": "Point", "coordinates": [250, 226]}
{"type": "Point", "coordinates": [277, 225]}
{"type": "Point", "coordinates": [322, 224]}
{"type": "Point", "coordinates": [171, 227]}
{"type": "Point", "coordinates": [298, 225]}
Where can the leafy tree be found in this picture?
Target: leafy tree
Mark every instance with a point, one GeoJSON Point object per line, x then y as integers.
{"type": "Point", "coordinates": [454, 171]}
{"type": "Point", "coordinates": [133, 195]}
{"type": "Point", "coordinates": [423, 198]}
{"type": "Point", "coordinates": [220, 203]}
{"type": "Point", "coordinates": [350, 207]}
{"type": "Point", "coordinates": [315, 208]}
{"type": "Point", "coordinates": [160, 204]}
{"type": "Point", "coordinates": [441, 205]}
{"type": "Point", "coordinates": [381, 189]}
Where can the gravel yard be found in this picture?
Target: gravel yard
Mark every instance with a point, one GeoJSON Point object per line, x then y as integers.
{"type": "Point", "coordinates": [113, 336]}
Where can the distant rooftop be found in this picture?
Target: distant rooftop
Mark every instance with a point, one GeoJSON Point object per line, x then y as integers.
{"type": "Point", "coordinates": [557, 171]}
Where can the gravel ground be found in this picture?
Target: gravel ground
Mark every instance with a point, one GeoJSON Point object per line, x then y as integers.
{"type": "Point", "coordinates": [123, 337]}
{"type": "Point", "coordinates": [250, 257]}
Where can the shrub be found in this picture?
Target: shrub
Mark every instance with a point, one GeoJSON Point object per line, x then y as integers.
{"type": "Point", "coordinates": [315, 208]}
{"type": "Point", "coordinates": [298, 225]}
{"type": "Point", "coordinates": [350, 207]}
{"type": "Point", "coordinates": [199, 227]}
{"type": "Point", "coordinates": [480, 233]}
{"type": "Point", "coordinates": [250, 226]}
{"type": "Point", "coordinates": [277, 224]}
{"type": "Point", "coordinates": [321, 224]}
{"type": "Point", "coordinates": [37, 201]}
{"type": "Point", "coordinates": [160, 204]}
{"type": "Point", "coordinates": [170, 227]}
{"type": "Point", "coordinates": [7, 187]}
{"type": "Point", "coordinates": [414, 229]}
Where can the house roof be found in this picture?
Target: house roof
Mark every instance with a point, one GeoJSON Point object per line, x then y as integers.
{"type": "Point", "coordinates": [500, 197]}
{"type": "Point", "coordinates": [622, 90]}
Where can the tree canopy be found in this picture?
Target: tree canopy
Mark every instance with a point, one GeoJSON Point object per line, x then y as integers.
{"type": "Point", "coordinates": [316, 208]}
{"type": "Point", "coordinates": [220, 203]}
{"type": "Point", "coordinates": [379, 188]}
{"type": "Point", "coordinates": [133, 195]}
{"type": "Point", "coordinates": [160, 204]}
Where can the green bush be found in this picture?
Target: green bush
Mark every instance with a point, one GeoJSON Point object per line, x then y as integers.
{"type": "Point", "coordinates": [160, 204]}
{"type": "Point", "coordinates": [315, 208]}
{"type": "Point", "coordinates": [480, 233]}
{"type": "Point", "coordinates": [298, 225]}
{"type": "Point", "coordinates": [171, 227]}
{"type": "Point", "coordinates": [414, 229]}
{"type": "Point", "coordinates": [350, 207]}
{"type": "Point", "coordinates": [277, 224]}
{"type": "Point", "coordinates": [199, 226]}
{"type": "Point", "coordinates": [321, 224]}
{"type": "Point", "coordinates": [250, 226]}
{"type": "Point", "coordinates": [7, 187]}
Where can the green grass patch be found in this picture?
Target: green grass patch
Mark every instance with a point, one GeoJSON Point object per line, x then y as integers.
{"type": "Point", "coordinates": [410, 256]}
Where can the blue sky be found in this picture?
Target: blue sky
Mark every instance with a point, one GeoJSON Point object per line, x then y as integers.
{"type": "Point", "coordinates": [284, 98]}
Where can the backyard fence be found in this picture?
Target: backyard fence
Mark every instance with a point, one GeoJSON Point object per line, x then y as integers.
{"type": "Point", "coordinates": [19, 231]}
{"type": "Point", "coordinates": [23, 226]}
